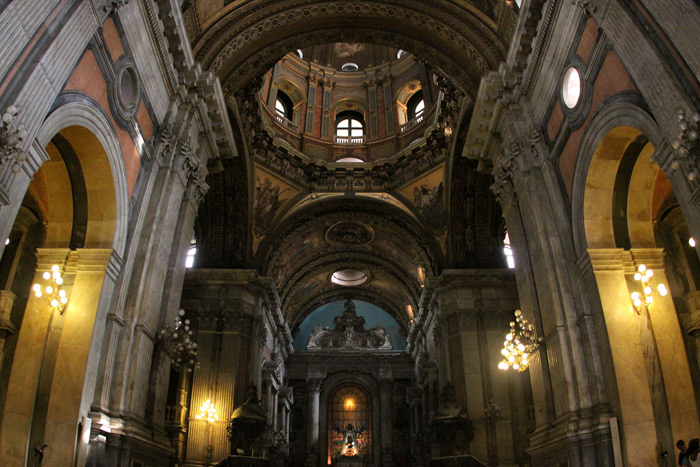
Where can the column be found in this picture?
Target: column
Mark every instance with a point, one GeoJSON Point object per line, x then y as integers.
{"type": "Point", "coordinates": [386, 385]}
{"type": "Point", "coordinates": [24, 382]}
{"type": "Point", "coordinates": [314, 386]}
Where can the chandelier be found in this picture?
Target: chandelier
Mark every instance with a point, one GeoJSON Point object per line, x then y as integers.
{"type": "Point", "coordinates": [520, 343]}
{"type": "Point", "coordinates": [207, 412]}
{"type": "Point", "coordinates": [643, 276]}
{"type": "Point", "coordinates": [57, 297]}
{"type": "Point", "coordinates": [178, 344]}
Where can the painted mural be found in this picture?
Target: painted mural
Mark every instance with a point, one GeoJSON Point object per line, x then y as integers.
{"type": "Point", "coordinates": [270, 195]}
{"type": "Point", "coordinates": [428, 196]}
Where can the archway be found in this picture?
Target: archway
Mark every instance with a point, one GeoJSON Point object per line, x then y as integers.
{"type": "Point", "coordinates": [623, 190]}
{"type": "Point", "coordinates": [82, 207]}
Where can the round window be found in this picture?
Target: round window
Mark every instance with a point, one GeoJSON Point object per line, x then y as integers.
{"type": "Point", "coordinates": [128, 88]}
{"type": "Point", "coordinates": [349, 277]}
{"type": "Point", "coordinates": [571, 89]}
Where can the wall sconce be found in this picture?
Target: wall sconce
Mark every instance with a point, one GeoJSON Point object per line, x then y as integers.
{"type": "Point", "coordinates": [207, 412]}
{"type": "Point", "coordinates": [57, 297]}
{"type": "Point", "coordinates": [644, 275]}
{"type": "Point", "coordinates": [520, 343]}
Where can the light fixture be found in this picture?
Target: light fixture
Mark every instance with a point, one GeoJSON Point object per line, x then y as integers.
{"type": "Point", "coordinates": [643, 276]}
{"type": "Point", "coordinates": [207, 412]}
{"type": "Point", "coordinates": [691, 242]}
{"type": "Point", "coordinates": [520, 343]}
{"type": "Point", "coordinates": [178, 344]}
{"type": "Point", "coordinates": [686, 141]}
{"type": "Point", "coordinates": [349, 403]}
{"type": "Point", "coordinates": [57, 297]}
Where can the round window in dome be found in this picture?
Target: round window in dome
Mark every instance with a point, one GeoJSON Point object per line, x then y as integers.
{"type": "Point", "coordinates": [350, 67]}
{"type": "Point", "coordinates": [349, 277]}
{"type": "Point", "coordinates": [571, 89]}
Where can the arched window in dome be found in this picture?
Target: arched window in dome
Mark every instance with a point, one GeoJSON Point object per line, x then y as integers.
{"type": "Point", "coordinates": [284, 107]}
{"type": "Point", "coordinates": [191, 252]}
{"type": "Point", "coordinates": [349, 128]}
{"type": "Point", "coordinates": [415, 105]}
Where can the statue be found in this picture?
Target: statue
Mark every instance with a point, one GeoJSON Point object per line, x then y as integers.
{"type": "Point", "coordinates": [349, 333]}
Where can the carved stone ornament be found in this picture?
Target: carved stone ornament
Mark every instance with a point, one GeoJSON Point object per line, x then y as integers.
{"type": "Point", "coordinates": [11, 138]}
{"type": "Point", "coordinates": [349, 333]}
{"type": "Point", "coordinates": [349, 233]}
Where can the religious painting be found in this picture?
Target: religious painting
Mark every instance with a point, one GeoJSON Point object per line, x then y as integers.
{"type": "Point", "coordinates": [428, 195]}
{"type": "Point", "coordinates": [345, 50]}
{"type": "Point", "coordinates": [301, 247]}
{"type": "Point", "coordinates": [270, 195]}
{"type": "Point", "coordinates": [349, 423]}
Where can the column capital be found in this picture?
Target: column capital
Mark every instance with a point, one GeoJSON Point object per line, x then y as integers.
{"type": "Point", "coordinates": [314, 384]}
{"type": "Point", "coordinates": [606, 259]}
{"type": "Point", "coordinates": [47, 257]}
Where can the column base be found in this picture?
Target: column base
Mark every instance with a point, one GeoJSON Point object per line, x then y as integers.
{"type": "Point", "coordinates": [574, 441]}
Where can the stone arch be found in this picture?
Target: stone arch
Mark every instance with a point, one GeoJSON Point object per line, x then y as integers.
{"type": "Point", "coordinates": [463, 41]}
{"type": "Point", "coordinates": [597, 167]}
{"type": "Point", "coordinates": [105, 176]}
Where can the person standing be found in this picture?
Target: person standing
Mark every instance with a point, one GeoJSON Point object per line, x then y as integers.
{"type": "Point", "coordinates": [683, 455]}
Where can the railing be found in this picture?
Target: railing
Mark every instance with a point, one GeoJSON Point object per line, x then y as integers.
{"type": "Point", "coordinates": [288, 124]}
{"type": "Point", "coordinates": [349, 140]}
{"type": "Point", "coordinates": [411, 123]}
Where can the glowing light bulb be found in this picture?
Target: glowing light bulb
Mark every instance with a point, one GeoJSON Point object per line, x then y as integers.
{"type": "Point", "coordinates": [637, 303]}
{"type": "Point", "coordinates": [641, 268]}
{"type": "Point", "coordinates": [54, 268]}
{"type": "Point", "coordinates": [49, 289]}
{"type": "Point", "coordinates": [59, 280]}
{"type": "Point", "coordinates": [649, 273]}
{"type": "Point", "coordinates": [38, 293]}
{"type": "Point", "coordinates": [635, 295]}
{"type": "Point", "coordinates": [691, 242]}
{"type": "Point", "coordinates": [54, 303]}
{"type": "Point", "coordinates": [64, 300]}
{"type": "Point", "coordinates": [647, 290]}
{"type": "Point", "coordinates": [521, 347]}
{"type": "Point", "coordinates": [637, 276]}
{"type": "Point", "coordinates": [46, 275]}
{"type": "Point", "coordinates": [511, 359]}
{"type": "Point", "coordinates": [36, 288]}
{"type": "Point", "coordinates": [662, 290]}
{"type": "Point", "coordinates": [509, 337]}
{"type": "Point", "coordinates": [502, 366]}
{"type": "Point", "coordinates": [61, 293]}
{"type": "Point", "coordinates": [504, 352]}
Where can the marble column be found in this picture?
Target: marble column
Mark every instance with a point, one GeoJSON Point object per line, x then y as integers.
{"type": "Point", "coordinates": [24, 383]}
{"type": "Point", "coordinates": [386, 386]}
{"type": "Point", "coordinates": [314, 386]}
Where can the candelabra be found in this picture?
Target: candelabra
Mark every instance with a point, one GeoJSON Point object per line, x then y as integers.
{"type": "Point", "coordinates": [11, 139]}
{"type": "Point", "coordinates": [178, 344]}
{"type": "Point", "coordinates": [520, 343]}
{"type": "Point", "coordinates": [643, 276]}
{"type": "Point", "coordinates": [57, 297]}
{"type": "Point", "coordinates": [685, 144]}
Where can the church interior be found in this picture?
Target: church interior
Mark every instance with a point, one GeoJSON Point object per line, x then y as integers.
{"type": "Point", "coordinates": [364, 233]}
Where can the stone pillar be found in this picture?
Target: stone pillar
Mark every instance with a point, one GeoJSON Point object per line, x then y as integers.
{"type": "Point", "coordinates": [567, 380]}
{"type": "Point", "coordinates": [7, 299]}
{"type": "Point", "coordinates": [386, 386]}
{"type": "Point", "coordinates": [314, 385]}
{"type": "Point", "coordinates": [666, 331]}
{"type": "Point", "coordinates": [24, 382]}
